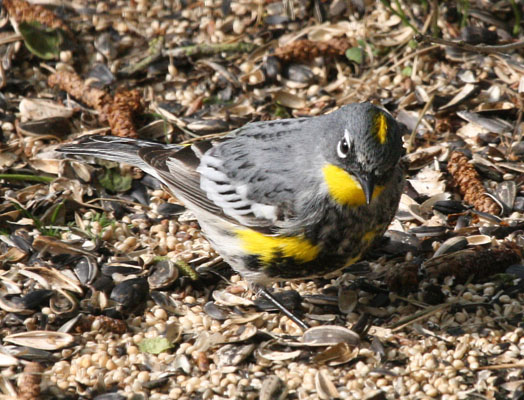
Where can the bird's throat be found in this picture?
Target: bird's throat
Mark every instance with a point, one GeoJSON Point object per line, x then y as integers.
{"type": "Point", "coordinates": [344, 189]}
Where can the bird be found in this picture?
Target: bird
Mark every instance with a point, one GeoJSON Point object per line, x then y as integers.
{"type": "Point", "coordinates": [280, 200]}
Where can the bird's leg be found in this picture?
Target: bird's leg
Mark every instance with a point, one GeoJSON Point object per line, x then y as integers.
{"type": "Point", "coordinates": [263, 291]}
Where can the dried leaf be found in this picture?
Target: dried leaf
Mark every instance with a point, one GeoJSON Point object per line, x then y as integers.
{"type": "Point", "coordinates": [114, 181]}
{"type": "Point", "coordinates": [41, 41]}
{"type": "Point", "coordinates": [355, 54]}
{"type": "Point", "coordinates": [155, 345]}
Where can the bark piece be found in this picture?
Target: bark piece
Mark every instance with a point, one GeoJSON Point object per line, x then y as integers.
{"type": "Point", "coordinates": [305, 50]}
{"type": "Point", "coordinates": [117, 110]}
{"type": "Point", "coordinates": [466, 178]}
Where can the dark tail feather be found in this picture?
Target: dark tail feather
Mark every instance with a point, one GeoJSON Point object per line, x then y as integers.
{"type": "Point", "coordinates": [113, 148]}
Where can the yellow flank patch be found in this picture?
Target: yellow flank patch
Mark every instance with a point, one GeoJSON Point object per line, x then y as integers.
{"type": "Point", "coordinates": [381, 128]}
{"type": "Point", "coordinates": [344, 189]}
{"type": "Point", "coordinates": [369, 236]}
{"type": "Point", "coordinates": [351, 261]}
{"type": "Point", "coordinates": [268, 247]}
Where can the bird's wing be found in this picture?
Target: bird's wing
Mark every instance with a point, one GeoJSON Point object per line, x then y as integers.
{"type": "Point", "coordinates": [177, 169]}
{"type": "Point", "coordinates": [191, 176]}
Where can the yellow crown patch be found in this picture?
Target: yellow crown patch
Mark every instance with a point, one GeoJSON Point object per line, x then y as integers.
{"type": "Point", "coordinates": [380, 128]}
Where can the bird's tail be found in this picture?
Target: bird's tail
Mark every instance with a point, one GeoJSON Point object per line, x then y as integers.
{"type": "Point", "coordinates": [113, 148]}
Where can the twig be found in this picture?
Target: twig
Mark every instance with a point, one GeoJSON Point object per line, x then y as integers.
{"type": "Point", "coordinates": [154, 53]}
{"type": "Point", "coordinates": [423, 314]}
{"type": "Point", "coordinates": [502, 366]}
{"type": "Point", "coordinates": [502, 48]}
{"type": "Point", "coordinates": [28, 178]}
{"type": "Point", "coordinates": [399, 13]}
{"type": "Point", "coordinates": [517, 132]}
{"type": "Point", "coordinates": [15, 37]}
{"type": "Point", "coordinates": [434, 18]}
{"type": "Point", "coordinates": [205, 49]}
{"type": "Point", "coordinates": [516, 11]}
{"type": "Point", "coordinates": [414, 131]}
{"type": "Point", "coordinates": [463, 7]}
{"type": "Point", "coordinates": [111, 199]}
{"type": "Point", "coordinates": [409, 56]}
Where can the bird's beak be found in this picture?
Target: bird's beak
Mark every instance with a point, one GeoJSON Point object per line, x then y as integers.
{"type": "Point", "coordinates": [368, 186]}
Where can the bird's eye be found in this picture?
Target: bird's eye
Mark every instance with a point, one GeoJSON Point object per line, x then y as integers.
{"type": "Point", "coordinates": [343, 148]}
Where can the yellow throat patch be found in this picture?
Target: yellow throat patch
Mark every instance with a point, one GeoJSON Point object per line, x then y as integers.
{"type": "Point", "coordinates": [344, 189]}
{"type": "Point", "coordinates": [381, 128]}
{"type": "Point", "coordinates": [267, 248]}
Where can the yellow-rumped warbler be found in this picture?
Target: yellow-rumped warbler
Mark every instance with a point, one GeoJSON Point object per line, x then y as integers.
{"type": "Point", "coordinates": [284, 199]}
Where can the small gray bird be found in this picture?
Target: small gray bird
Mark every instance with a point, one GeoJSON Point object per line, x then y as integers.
{"type": "Point", "coordinates": [285, 199]}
